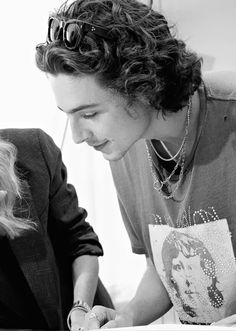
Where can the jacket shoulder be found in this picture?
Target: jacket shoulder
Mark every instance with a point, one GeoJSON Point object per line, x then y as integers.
{"type": "Point", "coordinates": [35, 148]}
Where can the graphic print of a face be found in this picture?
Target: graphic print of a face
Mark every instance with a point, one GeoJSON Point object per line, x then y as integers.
{"type": "Point", "coordinates": [190, 272]}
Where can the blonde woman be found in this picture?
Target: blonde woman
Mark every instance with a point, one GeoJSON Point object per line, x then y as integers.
{"type": "Point", "coordinates": [49, 253]}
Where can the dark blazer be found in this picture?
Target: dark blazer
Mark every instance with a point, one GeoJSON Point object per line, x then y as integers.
{"type": "Point", "coordinates": [45, 255]}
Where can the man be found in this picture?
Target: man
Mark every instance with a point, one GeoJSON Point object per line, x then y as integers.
{"type": "Point", "coordinates": [136, 93]}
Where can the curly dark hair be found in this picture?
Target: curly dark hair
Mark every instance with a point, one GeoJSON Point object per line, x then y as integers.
{"type": "Point", "coordinates": [140, 59]}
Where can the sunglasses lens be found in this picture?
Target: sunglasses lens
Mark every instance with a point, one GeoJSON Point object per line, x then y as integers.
{"type": "Point", "coordinates": [53, 29]}
{"type": "Point", "coordinates": [72, 35]}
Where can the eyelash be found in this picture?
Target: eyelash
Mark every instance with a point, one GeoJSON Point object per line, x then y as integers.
{"type": "Point", "coordinates": [88, 116]}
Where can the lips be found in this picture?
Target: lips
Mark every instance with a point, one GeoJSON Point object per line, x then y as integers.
{"type": "Point", "coordinates": [190, 292]}
{"type": "Point", "coordinates": [100, 146]}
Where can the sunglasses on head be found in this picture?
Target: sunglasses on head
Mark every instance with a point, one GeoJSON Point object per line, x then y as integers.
{"type": "Point", "coordinates": [72, 31]}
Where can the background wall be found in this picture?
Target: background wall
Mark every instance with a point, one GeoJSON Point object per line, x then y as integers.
{"type": "Point", "coordinates": [208, 26]}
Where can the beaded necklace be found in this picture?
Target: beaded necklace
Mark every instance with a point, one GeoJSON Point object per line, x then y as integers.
{"type": "Point", "coordinates": [181, 154]}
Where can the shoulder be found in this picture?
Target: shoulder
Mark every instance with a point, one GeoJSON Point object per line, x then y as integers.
{"type": "Point", "coordinates": [29, 138]}
{"type": "Point", "coordinates": [34, 147]}
{"type": "Point", "coordinates": [220, 84]}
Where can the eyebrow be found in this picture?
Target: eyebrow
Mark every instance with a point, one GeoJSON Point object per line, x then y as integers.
{"type": "Point", "coordinates": [79, 108]}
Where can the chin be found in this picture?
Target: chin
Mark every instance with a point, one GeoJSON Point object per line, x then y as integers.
{"type": "Point", "coordinates": [116, 156]}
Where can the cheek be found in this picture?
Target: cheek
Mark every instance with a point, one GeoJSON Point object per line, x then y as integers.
{"type": "Point", "coordinates": [121, 130]}
{"type": "Point", "coordinates": [175, 275]}
{"type": "Point", "coordinates": [107, 128]}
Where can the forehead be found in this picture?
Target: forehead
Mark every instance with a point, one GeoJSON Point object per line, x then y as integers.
{"type": "Point", "coordinates": [73, 91]}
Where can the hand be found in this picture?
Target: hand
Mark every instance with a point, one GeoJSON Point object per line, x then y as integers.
{"type": "Point", "coordinates": [77, 320]}
{"type": "Point", "coordinates": [105, 318]}
{"type": "Point", "coordinates": [228, 321]}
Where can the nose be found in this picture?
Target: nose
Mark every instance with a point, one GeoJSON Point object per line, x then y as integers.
{"type": "Point", "coordinates": [79, 131]}
{"type": "Point", "coordinates": [188, 283]}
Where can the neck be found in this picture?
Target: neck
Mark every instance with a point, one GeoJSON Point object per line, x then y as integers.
{"type": "Point", "coordinates": [171, 129]}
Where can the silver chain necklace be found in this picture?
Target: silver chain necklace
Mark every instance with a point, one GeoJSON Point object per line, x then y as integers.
{"type": "Point", "coordinates": [158, 183]}
{"type": "Point", "coordinates": [173, 157]}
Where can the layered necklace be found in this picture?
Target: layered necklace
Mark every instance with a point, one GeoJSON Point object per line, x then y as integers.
{"type": "Point", "coordinates": [179, 159]}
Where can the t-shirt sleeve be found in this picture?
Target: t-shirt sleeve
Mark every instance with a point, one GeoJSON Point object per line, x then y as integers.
{"type": "Point", "coordinates": [133, 231]}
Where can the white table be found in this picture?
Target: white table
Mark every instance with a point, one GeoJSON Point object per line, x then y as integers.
{"type": "Point", "coordinates": [174, 327]}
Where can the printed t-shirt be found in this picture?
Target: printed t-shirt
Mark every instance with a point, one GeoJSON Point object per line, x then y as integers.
{"type": "Point", "coordinates": [191, 239]}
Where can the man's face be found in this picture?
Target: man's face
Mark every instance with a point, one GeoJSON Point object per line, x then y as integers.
{"type": "Point", "coordinates": [98, 116]}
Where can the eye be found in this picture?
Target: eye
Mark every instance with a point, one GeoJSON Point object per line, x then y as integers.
{"type": "Point", "coordinates": [89, 115]}
{"type": "Point", "coordinates": [177, 267]}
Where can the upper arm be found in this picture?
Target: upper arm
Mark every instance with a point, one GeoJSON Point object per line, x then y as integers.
{"type": "Point", "coordinates": [66, 219]}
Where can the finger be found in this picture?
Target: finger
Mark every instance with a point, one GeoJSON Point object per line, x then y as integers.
{"type": "Point", "coordinates": [104, 314]}
{"type": "Point", "coordinates": [77, 320]}
{"type": "Point", "coordinates": [79, 328]}
{"type": "Point", "coordinates": [91, 321]}
{"type": "Point", "coordinates": [228, 321]}
{"type": "Point", "coordinates": [98, 316]}
{"type": "Point", "coordinates": [110, 325]}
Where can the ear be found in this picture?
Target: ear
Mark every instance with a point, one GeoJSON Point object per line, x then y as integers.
{"type": "Point", "coordinates": [132, 111]}
{"type": "Point", "coordinates": [139, 106]}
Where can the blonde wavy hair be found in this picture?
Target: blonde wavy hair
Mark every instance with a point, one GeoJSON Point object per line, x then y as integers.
{"type": "Point", "coordinates": [10, 190]}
